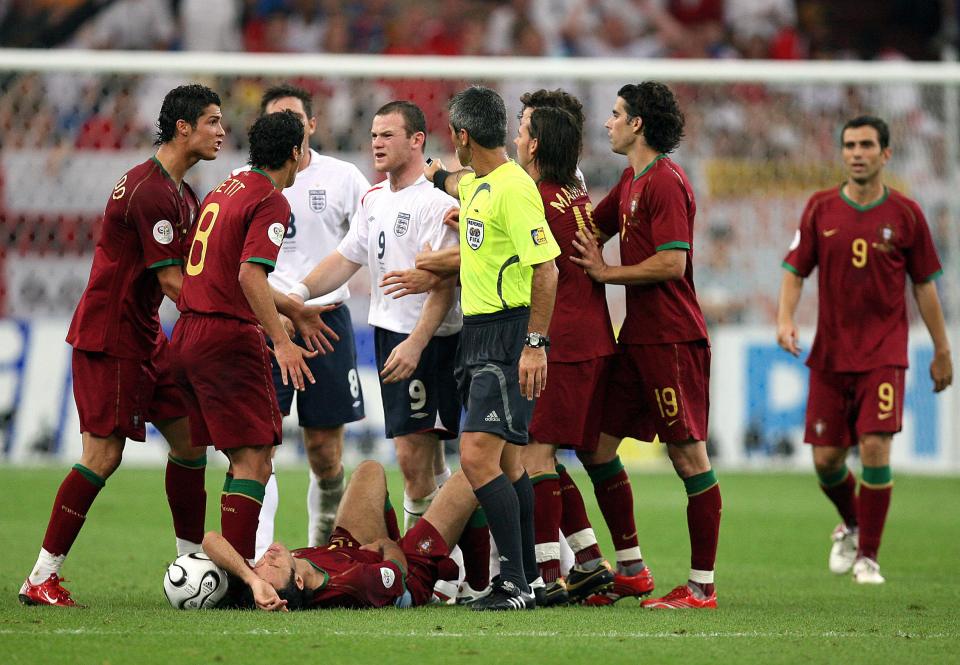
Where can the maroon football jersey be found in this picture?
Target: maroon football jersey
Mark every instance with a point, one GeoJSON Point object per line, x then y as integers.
{"type": "Point", "coordinates": [144, 225]}
{"type": "Point", "coordinates": [654, 211]}
{"type": "Point", "coordinates": [244, 219]}
{"type": "Point", "coordinates": [864, 254]}
{"type": "Point", "coordinates": [355, 578]}
{"type": "Point", "coordinates": [580, 328]}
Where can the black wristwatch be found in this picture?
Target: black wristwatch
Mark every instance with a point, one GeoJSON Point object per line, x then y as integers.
{"type": "Point", "coordinates": [537, 341]}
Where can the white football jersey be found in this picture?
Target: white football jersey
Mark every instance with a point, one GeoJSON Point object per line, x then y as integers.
{"type": "Point", "coordinates": [390, 229]}
{"type": "Point", "coordinates": [322, 201]}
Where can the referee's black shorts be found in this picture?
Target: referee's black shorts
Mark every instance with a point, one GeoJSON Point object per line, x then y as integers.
{"type": "Point", "coordinates": [488, 374]}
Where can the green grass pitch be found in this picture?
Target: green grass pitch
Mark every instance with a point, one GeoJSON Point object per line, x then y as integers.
{"type": "Point", "coordinates": [778, 602]}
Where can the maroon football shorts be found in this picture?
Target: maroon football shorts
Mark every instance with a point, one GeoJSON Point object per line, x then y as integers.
{"type": "Point", "coordinates": [427, 557]}
{"type": "Point", "coordinates": [659, 389]}
{"type": "Point", "coordinates": [223, 365]}
{"type": "Point", "coordinates": [568, 412]}
{"type": "Point", "coordinates": [119, 395]}
{"type": "Point", "coordinates": [843, 406]}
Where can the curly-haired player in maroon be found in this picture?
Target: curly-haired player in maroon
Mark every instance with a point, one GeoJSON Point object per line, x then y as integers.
{"type": "Point", "coordinates": [365, 564]}
{"type": "Point", "coordinates": [121, 361]}
{"type": "Point", "coordinates": [865, 239]}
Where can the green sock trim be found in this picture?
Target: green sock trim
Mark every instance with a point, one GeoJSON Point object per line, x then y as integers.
{"type": "Point", "coordinates": [89, 475]}
{"type": "Point", "coordinates": [227, 482]}
{"type": "Point", "coordinates": [248, 488]}
{"type": "Point", "coordinates": [198, 463]}
{"type": "Point", "coordinates": [877, 475]}
{"type": "Point", "coordinates": [602, 472]}
{"type": "Point", "coordinates": [544, 476]}
{"type": "Point", "coordinates": [561, 468]}
{"type": "Point", "coordinates": [478, 519]}
{"type": "Point", "coordinates": [700, 483]}
{"type": "Point", "coordinates": [835, 478]}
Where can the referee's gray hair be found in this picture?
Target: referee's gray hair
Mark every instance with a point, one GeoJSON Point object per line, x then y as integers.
{"type": "Point", "coordinates": [482, 113]}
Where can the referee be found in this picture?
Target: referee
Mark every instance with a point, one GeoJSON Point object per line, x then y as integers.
{"type": "Point", "coordinates": [508, 281]}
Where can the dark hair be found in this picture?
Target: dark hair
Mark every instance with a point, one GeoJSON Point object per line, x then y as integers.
{"type": "Point", "coordinates": [481, 112]}
{"type": "Point", "coordinates": [276, 92]}
{"type": "Point", "coordinates": [297, 598]}
{"type": "Point", "coordinates": [413, 119]}
{"type": "Point", "coordinates": [272, 139]}
{"type": "Point", "coordinates": [558, 98]}
{"type": "Point", "coordinates": [559, 140]}
{"type": "Point", "coordinates": [186, 102]}
{"type": "Point", "coordinates": [883, 131]}
{"type": "Point", "coordinates": [655, 104]}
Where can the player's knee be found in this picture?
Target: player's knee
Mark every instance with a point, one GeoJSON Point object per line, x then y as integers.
{"type": "Point", "coordinates": [369, 470]}
{"type": "Point", "coordinates": [102, 456]}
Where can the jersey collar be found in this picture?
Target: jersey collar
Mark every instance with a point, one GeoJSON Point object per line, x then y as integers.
{"type": "Point", "coordinates": [170, 177]}
{"type": "Point", "coordinates": [265, 175]}
{"type": "Point", "coordinates": [650, 165]}
{"type": "Point", "coordinates": [870, 206]}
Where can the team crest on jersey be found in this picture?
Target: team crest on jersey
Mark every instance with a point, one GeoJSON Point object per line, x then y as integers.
{"type": "Point", "coordinates": [402, 224]}
{"type": "Point", "coordinates": [634, 205]}
{"type": "Point", "coordinates": [474, 233]}
{"type": "Point", "coordinates": [318, 199]}
{"type": "Point", "coordinates": [425, 545]}
{"type": "Point", "coordinates": [887, 234]}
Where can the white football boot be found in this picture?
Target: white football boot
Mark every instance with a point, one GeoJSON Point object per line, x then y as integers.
{"type": "Point", "coordinates": [844, 550]}
{"type": "Point", "coordinates": [867, 571]}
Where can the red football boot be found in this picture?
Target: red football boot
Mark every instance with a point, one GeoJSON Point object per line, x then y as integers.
{"type": "Point", "coordinates": [681, 598]}
{"type": "Point", "coordinates": [49, 592]}
{"type": "Point", "coordinates": [637, 585]}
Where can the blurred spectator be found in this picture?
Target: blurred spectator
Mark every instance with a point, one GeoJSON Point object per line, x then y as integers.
{"type": "Point", "coordinates": [763, 28]}
{"type": "Point", "coordinates": [210, 25]}
{"type": "Point", "coordinates": [129, 24]}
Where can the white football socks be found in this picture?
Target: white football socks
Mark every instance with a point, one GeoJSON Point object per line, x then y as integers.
{"type": "Point", "coordinates": [268, 514]}
{"type": "Point", "coordinates": [46, 565]}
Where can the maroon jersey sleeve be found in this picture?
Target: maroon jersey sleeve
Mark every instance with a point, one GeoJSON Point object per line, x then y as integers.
{"type": "Point", "coordinates": [154, 213]}
{"type": "Point", "coordinates": [802, 256]}
{"type": "Point", "coordinates": [381, 582]}
{"type": "Point", "coordinates": [667, 205]}
{"type": "Point", "coordinates": [923, 264]}
{"type": "Point", "coordinates": [606, 215]}
{"type": "Point", "coordinates": [268, 225]}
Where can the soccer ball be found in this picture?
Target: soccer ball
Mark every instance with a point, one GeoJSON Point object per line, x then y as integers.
{"type": "Point", "coordinates": [194, 582]}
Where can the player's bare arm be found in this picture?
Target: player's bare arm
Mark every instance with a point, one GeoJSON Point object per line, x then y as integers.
{"type": "Point", "coordinates": [389, 551]}
{"type": "Point", "coordinates": [451, 218]}
{"type": "Point", "coordinates": [405, 357]}
{"type": "Point", "coordinates": [453, 179]}
{"type": "Point", "coordinates": [399, 283]}
{"type": "Point", "coordinates": [171, 279]}
{"type": "Point", "coordinates": [664, 266]}
{"type": "Point", "coordinates": [224, 555]}
{"type": "Point", "coordinates": [941, 368]}
{"type": "Point", "coordinates": [307, 319]}
{"type": "Point", "coordinates": [444, 261]}
{"type": "Point", "coordinates": [332, 272]}
{"type": "Point", "coordinates": [533, 361]}
{"type": "Point", "coordinates": [290, 357]}
{"type": "Point", "coordinates": [790, 288]}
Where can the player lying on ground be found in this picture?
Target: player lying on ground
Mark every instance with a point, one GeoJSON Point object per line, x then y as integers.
{"type": "Point", "coordinates": [366, 563]}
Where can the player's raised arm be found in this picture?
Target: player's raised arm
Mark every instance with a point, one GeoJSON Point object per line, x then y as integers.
{"type": "Point", "coordinates": [332, 272]}
{"type": "Point", "coordinates": [441, 178]}
{"type": "Point", "coordinates": [307, 320]}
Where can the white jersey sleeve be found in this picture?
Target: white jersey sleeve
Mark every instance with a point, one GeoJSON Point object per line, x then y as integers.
{"type": "Point", "coordinates": [323, 201]}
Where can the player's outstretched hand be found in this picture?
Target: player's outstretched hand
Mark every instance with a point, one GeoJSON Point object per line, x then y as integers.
{"type": "Point", "coordinates": [430, 170]}
{"type": "Point", "coordinates": [533, 372]}
{"type": "Point", "coordinates": [288, 327]}
{"type": "Point", "coordinates": [788, 339]}
{"type": "Point", "coordinates": [317, 335]}
{"type": "Point", "coordinates": [941, 370]}
{"type": "Point", "coordinates": [590, 259]}
{"type": "Point", "coordinates": [293, 364]}
{"type": "Point", "coordinates": [451, 218]}
{"type": "Point", "coordinates": [399, 283]}
{"type": "Point", "coordinates": [402, 361]}
{"type": "Point", "coordinates": [266, 598]}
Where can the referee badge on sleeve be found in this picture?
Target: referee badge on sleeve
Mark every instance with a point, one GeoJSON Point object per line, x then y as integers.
{"type": "Point", "coordinates": [539, 236]}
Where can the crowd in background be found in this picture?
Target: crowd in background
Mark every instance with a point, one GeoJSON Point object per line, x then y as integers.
{"type": "Point", "coordinates": [754, 152]}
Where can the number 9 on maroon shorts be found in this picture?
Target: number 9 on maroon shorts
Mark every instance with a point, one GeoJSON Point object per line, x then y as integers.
{"type": "Point", "coordinates": [659, 389]}
{"type": "Point", "coordinates": [843, 406]}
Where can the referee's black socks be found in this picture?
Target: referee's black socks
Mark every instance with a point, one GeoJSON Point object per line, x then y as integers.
{"type": "Point", "coordinates": [501, 504]}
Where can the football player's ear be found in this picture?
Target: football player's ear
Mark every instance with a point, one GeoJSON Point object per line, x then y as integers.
{"type": "Point", "coordinates": [298, 580]}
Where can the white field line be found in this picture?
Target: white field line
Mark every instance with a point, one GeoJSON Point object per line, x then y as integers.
{"type": "Point", "coordinates": [481, 633]}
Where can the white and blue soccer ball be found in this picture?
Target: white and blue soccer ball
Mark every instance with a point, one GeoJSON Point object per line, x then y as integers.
{"type": "Point", "coordinates": [194, 582]}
